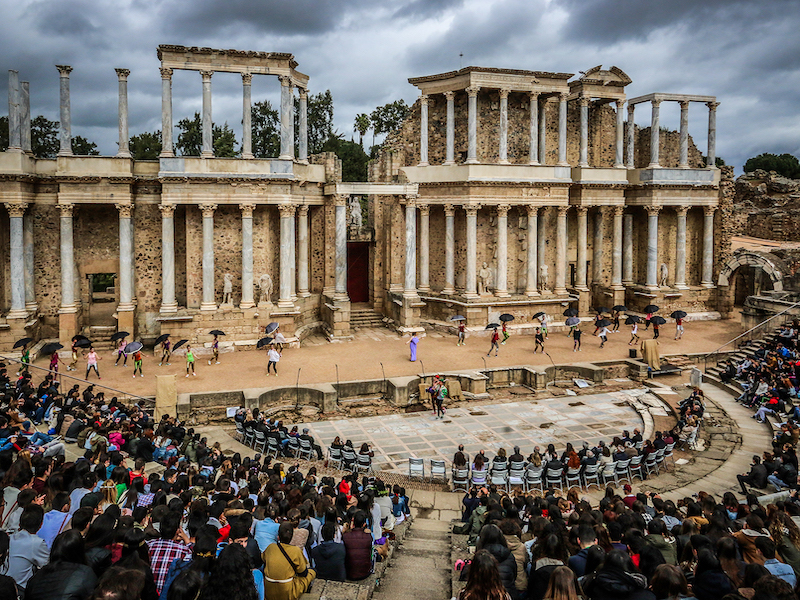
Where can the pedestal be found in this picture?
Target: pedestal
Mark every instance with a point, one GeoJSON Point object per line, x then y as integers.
{"type": "Point", "coordinates": [166, 396]}
{"type": "Point", "coordinates": [68, 326]}
{"type": "Point", "coordinates": [126, 319]}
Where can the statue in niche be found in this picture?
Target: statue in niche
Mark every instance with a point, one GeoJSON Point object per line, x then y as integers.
{"type": "Point", "coordinates": [664, 274]}
{"type": "Point", "coordinates": [355, 212]}
{"type": "Point", "coordinates": [543, 277]}
{"type": "Point", "coordinates": [227, 289]}
{"type": "Point", "coordinates": [484, 279]}
{"type": "Point", "coordinates": [265, 288]}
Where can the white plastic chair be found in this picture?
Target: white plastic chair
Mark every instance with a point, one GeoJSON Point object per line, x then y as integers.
{"type": "Point", "coordinates": [438, 470]}
{"type": "Point", "coordinates": [416, 468]}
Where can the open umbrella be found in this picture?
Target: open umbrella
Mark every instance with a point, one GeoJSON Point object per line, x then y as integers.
{"type": "Point", "coordinates": [271, 327]}
{"type": "Point", "coordinates": [22, 342]}
{"type": "Point", "coordinates": [133, 347]}
{"type": "Point", "coordinates": [458, 318]}
{"type": "Point", "coordinates": [493, 326]}
{"type": "Point", "coordinates": [619, 308]}
{"type": "Point", "coordinates": [571, 312]}
{"type": "Point", "coordinates": [77, 337]}
{"type": "Point", "coordinates": [540, 314]}
{"type": "Point", "coordinates": [216, 332]}
{"type": "Point", "coordinates": [83, 343]}
{"type": "Point", "coordinates": [600, 310]}
{"type": "Point", "coordinates": [658, 320]}
{"type": "Point", "coordinates": [632, 319]}
{"type": "Point", "coordinates": [650, 308]}
{"type": "Point", "coordinates": [678, 314]}
{"type": "Point", "coordinates": [50, 348]}
{"type": "Point", "coordinates": [265, 341]}
{"type": "Point", "coordinates": [160, 339]}
{"type": "Point", "coordinates": [120, 335]}
{"type": "Point", "coordinates": [506, 317]}
{"type": "Point", "coordinates": [179, 344]}
{"type": "Point", "coordinates": [603, 323]}
{"type": "Point", "coordinates": [572, 321]}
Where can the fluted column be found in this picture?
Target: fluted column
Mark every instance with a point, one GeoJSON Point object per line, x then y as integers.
{"type": "Point", "coordinates": [543, 132]}
{"type": "Point", "coordinates": [597, 259]}
{"type": "Point", "coordinates": [707, 279]}
{"type": "Point", "coordinates": [208, 139]}
{"type": "Point", "coordinates": [410, 282]}
{"type": "Point", "coordinates": [580, 267]}
{"type": "Point", "coordinates": [620, 131]}
{"type": "Point", "coordinates": [449, 250]}
{"type": "Point", "coordinates": [293, 257]}
{"type": "Point", "coordinates": [25, 116]}
{"type": "Point", "coordinates": [302, 251]}
{"type": "Point", "coordinates": [14, 112]}
{"type": "Point", "coordinates": [125, 256]}
{"type": "Point", "coordinates": [209, 300]}
{"type": "Point", "coordinates": [503, 149]}
{"type": "Point", "coordinates": [168, 302]}
{"type": "Point", "coordinates": [423, 131]}
{"type": "Point", "coordinates": [533, 134]}
{"type": "Point", "coordinates": [541, 243]}
{"type": "Point", "coordinates": [122, 117]}
{"type": "Point", "coordinates": [683, 162]}
{"type": "Point", "coordinates": [531, 278]}
{"type": "Point", "coordinates": [167, 149]}
{"type": "Point", "coordinates": [654, 134]}
{"type": "Point", "coordinates": [616, 250]}
{"type": "Point", "coordinates": [680, 248]}
{"type": "Point", "coordinates": [302, 143]}
{"type": "Point", "coordinates": [247, 301]}
{"type": "Point", "coordinates": [67, 261]}
{"type": "Point", "coordinates": [583, 160]}
{"type": "Point", "coordinates": [287, 225]}
{"type": "Point", "coordinates": [424, 248]}
{"type": "Point", "coordinates": [287, 121]}
{"type": "Point", "coordinates": [451, 129]}
{"type": "Point", "coordinates": [651, 280]}
{"type": "Point", "coordinates": [28, 251]}
{"type": "Point", "coordinates": [16, 212]}
{"type": "Point", "coordinates": [501, 285]}
{"type": "Point", "coordinates": [712, 134]}
{"type": "Point", "coordinates": [561, 250]}
{"type": "Point", "coordinates": [471, 281]}
{"type": "Point", "coordinates": [247, 115]}
{"type": "Point", "coordinates": [65, 122]}
{"type": "Point", "coordinates": [627, 249]}
{"type": "Point", "coordinates": [562, 130]}
{"type": "Point", "coordinates": [472, 124]}
{"type": "Point", "coordinates": [631, 135]}
{"type": "Point", "coordinates": [340, 219]}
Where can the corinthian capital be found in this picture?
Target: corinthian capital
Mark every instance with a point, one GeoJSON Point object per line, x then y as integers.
{"type": "Point", "coordinates": [166, 73]}
{"type": "Point", "coordinates": [122, 74]}
{"type": "Point", "coordinates": [286, 80]}
{"type": "Point", "coordinates": [207, 208]}
{"type": "Point", "coordinates": [206, 75]}
{"type": "Point", "coordinates": [16, 209]}
{"type": "Point", "coordinates": [64, 70]}
{"type": "Point", "coordinates": [167, 210]}
{"type": "Point", "coordinates": [125, 210]}
{"type": "Point", "coordinates": [339, 199]}
{"type": "Point", "coordinates": [502, 210]}
{"type": "Point", "coordinates": [652, 210]}
{"type": "Point", "coordinates": [286, 210]}
{"type": "Point", "coordinates": [247, 78]}
{"type": "Point", "coordinates": [472, 91]}
{"type": "Point", "coordinates": [66, 209]}
{"type": "Point", "coordinates": [247, 209]}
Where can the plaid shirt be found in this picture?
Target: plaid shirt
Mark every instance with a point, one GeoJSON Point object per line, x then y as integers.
{"type": "Point", "coordinates": [162, 555]}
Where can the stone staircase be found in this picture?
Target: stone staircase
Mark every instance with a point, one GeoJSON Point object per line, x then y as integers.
{"type": "Point", "coordinates": [101, 336]}
{"type": "Point", "coordinates": [364, 317]}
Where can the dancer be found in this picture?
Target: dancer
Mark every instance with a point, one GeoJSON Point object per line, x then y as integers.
{"type": "Point", "coordinates": [505, 333]}
{"type": "Point", "coordinates": [616, 321]}
{"type": "Point", "coordinates": [273, 356]}
{"type": "Point", "coordinates": [25, 360]}
{"type": "Point", "coordinates": [121, 352]}
{"type": "Point", "coordinates": [73, 366]}
{"type": "Point", "coordinates": [412, 344]}
{"type": "Point", "coordinates": [441, 394]}
{"type": "Point", "coordinates": [678, 328]}
{"type": "Point", "coordinates": [656, 331]}
{"type": "Point", "coordinates": [91, 363]}
{"type": "Point", "coordinates": [576, 336]}
{"type": "Point", "coordinates": [634, 333]}
{"type": "Point", "coordinates": [462, 333]}
{"type": "Point", "coordinates": [137, 363]}
{"type": "Point", "coordinates": [279, 339]}
{"type": "Point", "coordinates": [647, 321]}
{"type": "Point", "coordinates": [215, 350]}
{"type": "Point", "coordinates": [495, 342]}
{"type": "Point", "coordinates": [543, 320]}
{"type": "Point", "coordinates": [166, 352]}
{"type": "Point", "coordinates": [190, 361]}
{"type": "Point", "coordinates": [603, 336]}
{"type": "Point", "coordinates": [54, 360]}
{"type": "Point", "coordinates": [539, 337]}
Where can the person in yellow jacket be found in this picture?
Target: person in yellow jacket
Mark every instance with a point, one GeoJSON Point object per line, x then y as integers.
{"type": "Point", "coordinates": [286, 572]}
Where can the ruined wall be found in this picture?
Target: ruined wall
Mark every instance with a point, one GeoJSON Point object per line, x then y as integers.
{"type": "Point", "coordinates": [766, 206]}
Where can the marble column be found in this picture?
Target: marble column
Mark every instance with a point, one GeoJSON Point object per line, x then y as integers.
{"type": "Point", "coordinates": [247, 115]}
{"type": "Point", "coordinates": [209, 299]}
{"type": "Point", "coordinates": [533, 133]}
{"type": "Point", "coordinates": [616, 249]}
{"type": "Point", "coordinates": [541, 242]}
{"type": "Point", "coordinates": [707, 278]}
{"type": "Point", "coordinates": [248, 283]}
{"type": "Point", "coordinates": [302, 143]}
{"type": "Point", "coordinates": [67, 261]}
{"type": "Point", "coordinates": [65, 123]}
{"type": "Point", "coordinates": [531, 263]}
{"type": "Point", "coordinates": [620, 131]}
{"type": "Point", "coordinates": [651, 280]}
{"type": "Point", "coordinates": [597, 249]}
{"type": "Point", "coordinates": [471, 281]}
{"type": "Point", "coordinates": [167, 149]}
{"type": "Point", "coordinates": [14, 111]}
{"type": "Point", "coordinates": [501, 283]}
{"type": "Point", "coordinates": [285, 284]}
{"type": "Point", "coordinates": [125, 256]}
{"type": "Point", "coordinates": [168, 302]}
{"type": "Point", "coordinates": [423, 131]}
{"type": "Point", "coordinates": [472, 124]}
{"type": "Point", "coordinates": [562, 130]}
{"type": "Point", "coordinates": [627, 249]}
{"type": "Point", "coordinates": [683, 162]}
{"type": "Point", "coordinates": [16, 212]}
{"type": "Point", "coordinates": [410, 282]}
{"type": "Point", "coordinates": [451, 129]}
{"type": "Point", "coordinates": [561, 250]}
{"type": "Point", "coordinates": [580, 267]}
{"type": "Point", "coordinates": [583, 160]}
{"type": "Point", "coordinates": [631, 136]}
{"type": "Point", "coordinates": [543, 132]}
{"type": "Point", "coordinates": [302, 251]}
{"type": "Point", "coordinates": [122, 116]}
{"type": "Point", "coordinates": [503, 149]}
{"type": "Point", "coordinates": [340, 204]}
{"type": "Point", "coordinates": [424, 248]}
{"type": "Point", "coordinates": [680, 248]}
{"type": "Point", "coordinates": [449, 250]}
{"type": "Point", "coordinates": [654, 134]}
{"type": "Point", "coordinates": [293, 257]}
{"type": "Point", "coordinates": [28, 250]}
{"type": "Point", "coordinates": [287, 118]}
{"type": "Point", "coordinates": [25, 117]}
{"type": "Point", "coordinates": [208, 123]}
{"type": "Point", "coordinates": [712, 134]}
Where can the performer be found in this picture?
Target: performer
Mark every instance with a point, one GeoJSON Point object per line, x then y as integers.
{"type": "Point", "coordinates": [166, 352]}
{"type": "Point", "coordinates": [215, 350]}
{"type": "Point", "coordinates": [190, 361]}
{"type": "Point", "coordinates": [137, 363]}
{"type": "Point", "coordinates": [412, 344]}
{"type": "Point", "coordinates": [462, 333]}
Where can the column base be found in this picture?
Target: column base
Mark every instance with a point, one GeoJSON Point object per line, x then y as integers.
{"type": "Point", "coordinates": [503, 161]}
{"type": "Point", "coordinates": [206, 154]}
{"type": "Point", "coordinates": [681, 286]}
{"type": "Point", "coordinates": [627, 283]}
{"type": "Point", "coordinates": [617, 287]}
{"type": "Point", "coordinates": [246, 304]}
{"type": "Point", "coordinates": [472, 296]}
{"type": "Point", "coordinates": [285, 303]}
{"type": "Point", "coordinates": [532, 293]}
{"type": "Point", "coordinates": [123, 154]}
{"type": "Point", "coordinates": [562, 164]}
{"type": "Point", "coordinates": [424, 288]}
{"type": "Point", "coordinates": [304, 294]}
{"type": "Point", "coordinates": [533, 163]}
{"type": "Point", "coordinates": [410, 294]}
{"type": "Point", "coordinates": [581, 288]}
{"type": "Point", "coordinates": [166, 154]}
{"type": "Point", "coordinates": [653, 287]}
{"type": "Point", "coordinates": [448, 291]}
{"type": "Point", "coordinates": [18, 313]}
{"type": "Point", "coordinates": [619, 166]}
{"type": "Point", "coordinates": [653, 166]}
{"type": "Point", "coordinates": [31, 306]}
{"type": "Point", "coordinates": [707, 284]}
{"type": "Point", "coordinates": [685, 166]}
{"type": "Point", "coordinates": [65, 153]}
{"type": "Point", "coordinates": [172, 307]}
{"type": "Point", "coordinates": [302, 161]}
{"type": "Point", "coordinates": [247, 155]}
{"type": "Point", "coordinates": [471, 161]}
{"type": "Point", "coordinates": [502, 294]}
{"type": "Point", "coordinates": [583, 165]}
{"type": "Point", "coordinates": [68, 309]}
{"type": "Point", "coordinates": [560, 291]}
{"type": "Point", "coordinates": [208, 306]}
{"type": "Point", "coordinates": [424, 164]}
{"type": "Point", "coordinates": [286, 157]}
{"type": "Point", "coordinates": [126, 319]}
{"type": "Point", "coordinates": [448, 163]}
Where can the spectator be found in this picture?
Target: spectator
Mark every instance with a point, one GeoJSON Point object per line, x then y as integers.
{"type": "Point", "coordinates": [358, 545]}
{"type": "Point", "coordinates": [286, 572]}
{"type": "Point", "coordinates": [329, 556]}
{"type": "Point", "coordinates": [67, 576]}
{"type": "Point", "coordinates": [27, 551]}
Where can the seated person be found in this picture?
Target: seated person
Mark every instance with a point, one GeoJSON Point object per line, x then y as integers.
{"type": "Point", "coordinates": [329, 556]}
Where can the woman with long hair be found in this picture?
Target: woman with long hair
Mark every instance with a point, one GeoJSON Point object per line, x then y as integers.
{"type": "Point", "coordinates": [231, 577]}
{"type": "Point", "coordinates": [201, 561]}
{"type": "Point", "coordinates": [786, 535]}
{"type": "Point", "coordinates": [483, 579]}
{"type": "Point", "coordinates": [549, 552]}
{"type": "Point", "coordinates": [562, 585]}
{"type": "Point", "coordinates": [8, 587]}
{"type": "Point", "coordinates": [135, 556]}
{"type": "Point", "coordinates": [492, 539]}
{"type": "Point", "coordinates": [98, 543]}
{"type": "Point", "coordinates": [66, 576]}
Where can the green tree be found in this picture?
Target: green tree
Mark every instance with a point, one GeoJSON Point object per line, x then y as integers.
{"type": "Point", "coordinates": [224, 141]}
{"type": "Point", "coordinates": [361, 125]}
{"type": "Point", "coordinates": [3, 134]}
{"type": "Point", "coordinates": [146, 145]}
{"type": "Point", "coordinates": [44, 137]}
{"type": "Point", "coordinates": [83, 147]}
{"type": "Point", "coordinates": [389, 117]}
{"type": "Point", "coordinates": [354, 159]}
{"type": "Point", "coordinates": [266, 134]}
{"type": "Point", "coordinates": [190, 138]}
{"type": "Point", "coordinates": [320, 120]}
{"type": "Point", "coordinates": [784, 164]}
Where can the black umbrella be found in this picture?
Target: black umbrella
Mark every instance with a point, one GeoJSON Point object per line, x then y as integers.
{"type": "Point", "coordinates": [572, 321]}
{"type": "Point", "coordinates": [493, 326]}
{"type": "Point", "coordinates": [632, 319]}
{"type": "Point", "coordinates": [50, 348]}
{"type": "Point", "coordinates": [506, 317]}
{"type": "Point", "coordinates": [600, 310]}
{"type": "Point", "coordinates": [265, 341]}
{"type": "Point", "coordinates": [571, 312]}
{"type": "Point", "coordinates": [160, 339]}
{"type": "Point", "coordinates": [540, 314]}
{"type": "Point", "coordinates": [619, 308]}
{"type": "Point", "coordinates": [603, 323]}
{"type": "Point", "coordinates": [22, 342]}
{"type": "Point", "coordinates": [179, 344]}
{"type": "Point", "coordinates": [83, 343]}
{"type": "Point", "coordinates": [133, 347]}
{"type": "Point", "coordinates": [658, 320]}
{"type": "Point", "coordinates": [678, 314]}
{"type": "Point", "coordinates": [120, 335]}
{"type": "Point", "coordinates": [458, 318]}
{"type": "Point", "coordinates": [271, 327]}
{"type": "Point", "coordinates": [216, 332]}
{"type": "Point", "coordinates": [650, 308]}
{"type": "Point", "coordinates": [75, 338]}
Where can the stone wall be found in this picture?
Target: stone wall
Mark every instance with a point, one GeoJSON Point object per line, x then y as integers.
{"type": "Point", "coordinates": [767, 205]}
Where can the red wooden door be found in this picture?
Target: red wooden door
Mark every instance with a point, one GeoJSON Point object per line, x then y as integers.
{"type": "Point", "coordinates": [358, 271]}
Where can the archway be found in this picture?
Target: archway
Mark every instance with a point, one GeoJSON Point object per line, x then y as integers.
{"type": "Point", "coordinates": [747, 273]}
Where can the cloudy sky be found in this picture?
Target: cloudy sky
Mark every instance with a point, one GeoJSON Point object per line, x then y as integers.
{"type": "Point", "coordinates": [745, 52]}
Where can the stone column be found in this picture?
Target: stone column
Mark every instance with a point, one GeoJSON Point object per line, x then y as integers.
{"type": "Point", "coordinates": [680, 248]}
{"type": "Point", "coordinates": [167, 149]}
{"type": "Point", "coordinates": [25, 117]}
{"type": "Point", "coordinates": [14, 110]}
{"type": "Point", "coordinates": [122, 82]}
{"type": "Point", "coordinates": [449, 250]}
{"type": "Point", "coordinates": [340, 204]}
{"type": "Point", "coordinates": [168, 302]}
{"type": "Point", "coordinates": [561, 250]}
{"type": "Point", "coordinates": [707, 279]}
{"type": "Point", "coordinates": [472, 125]}
{"type": "Point", "coordinates": [248, 283]}
{"type": "Point", "coordinates": [209, 299]}
{"type": "Point", "coordinates": [302, 251]}
{"type": "Point", "coordinates": [471, 282]}
{"type": "Point", "coordinates": [533, 157]}
{"type": "Point", "coordinates": [583, 160]}
{"type": "Point", "coordinates": [287, 225]}
{"type": "Point", "coordinates": [580, 268]}
{"type": "Point", "coordinates": [302, 143]}
{"type": "Point", "coordinates": [620, 131]}
{"type": "Point", "coordinates": [424, 248]}
{"type": "Point", "coordinates": [451, 129]}
{"type": "Point", "coordinates": [501, 285]}
{"type": "Point", "coordinates": [627, 249]}
{"type": "Point", "coordinates": [541, 241]}
{"type": "Point", "coordinates": [293, 257]}
{"type": "Point", "coordinates": [562, 131]}
{"type": "Point", "coordinates": [532, 279]}
{"type": "Point", "coordinates": [125, 256]}
{"type": "Point", "coordinates": [503, 150]}
{"type": "Point", "coordinates": [616, 250]}
{"type": "Point", "coordinates": [287, 120]}
{"type": "Point", "coordinates": [631, 136]}
{"type": "Point", "coordinates": [208, 123]}
{"type": "Point", "coordinates": [654, 134]}
{"type": "Point", "coordinates": [683, 162]}
{"type": "Point", "coordinates": [652, 247]}
{"type": "Point", "coordinates": [247, 115]}
{"type": "Point", "coordinates": [423, 131]}
{"type": "Point", "coordinates": [410, 284]}
{"type": "Point", "coordinates": [597, 250]}
{"type": "Point", "coordinates": [27, 248]}
{"type": "Point", "coordinates": [16, 212]}
{"type": "Point", "coordinates": [65, 125]}
{"type": "Point", "coordinates": [712, 134]}
{"type": "Point", "coordinates": [543, 133]}
{"type": "Point", "coordinates": [67, 261]}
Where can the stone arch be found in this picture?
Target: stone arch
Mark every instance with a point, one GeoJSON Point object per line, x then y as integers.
{"type": "Point", "coordinates": [773, 266]}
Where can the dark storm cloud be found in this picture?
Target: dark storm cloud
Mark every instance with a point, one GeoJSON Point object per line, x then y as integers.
{"type": "Point", "coordinates": [425, 8]}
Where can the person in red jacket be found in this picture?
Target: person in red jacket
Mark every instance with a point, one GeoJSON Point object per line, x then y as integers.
{"type": "Point", "coordinates": [358, 548]}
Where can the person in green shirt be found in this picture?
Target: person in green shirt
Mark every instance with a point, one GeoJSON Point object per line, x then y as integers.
{"type": "Point", "coordinates": [190, 361]}
{"type": "Point", "coordinates": [25, 360]}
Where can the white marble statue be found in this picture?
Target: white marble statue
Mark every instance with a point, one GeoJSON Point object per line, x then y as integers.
{"type": "Point", "coordinates": [484, 279]}
{"type": "Point", "coordinates": [543, 277]}
{"type": "Point", "coordinates": [227, 289]}
{"type": "Point", "coordinates": [664, 274]}
{"type": "Point", "coordinates": [265, 288]}
{"type": "Point", "coordinates": [355, 212]}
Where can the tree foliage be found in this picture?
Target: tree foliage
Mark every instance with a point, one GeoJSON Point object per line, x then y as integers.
{"type": "Point", "coordinates": [320, 120]}
{"type": "Point", "coordinates": [83, 147]}
{"type": "Point", "coordinates": [784, 164]}
{"type": "Point", "coordinates": [389, 117]}
{"type": "Point", "coordinates": [146, 145]}
{"type": "Point", "coordinates": [361, 125]}
{"type": "Point", "coordinates": [224, 141]}
{"type": "Point", "coordinates": [190, 138]}
{"type": "Point", "coordinates": [354, 159]}
{"type": "Point", "coordinates": [266, 138]}
{"type": "Point", "coordinates": [44, 137]}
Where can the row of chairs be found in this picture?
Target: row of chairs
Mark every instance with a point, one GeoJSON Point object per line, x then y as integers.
{"type": "Point", "coordinates": [347, 459]}
{"type": "Point", "coordinates": [416, 468]}
{"type": "Point", "coordinates": [258, 441]}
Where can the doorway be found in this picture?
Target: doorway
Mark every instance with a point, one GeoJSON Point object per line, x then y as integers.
{"type": "Point", "coordinates": [358, 271]}
{"type": "Point", "coordinates": [102, 299]}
